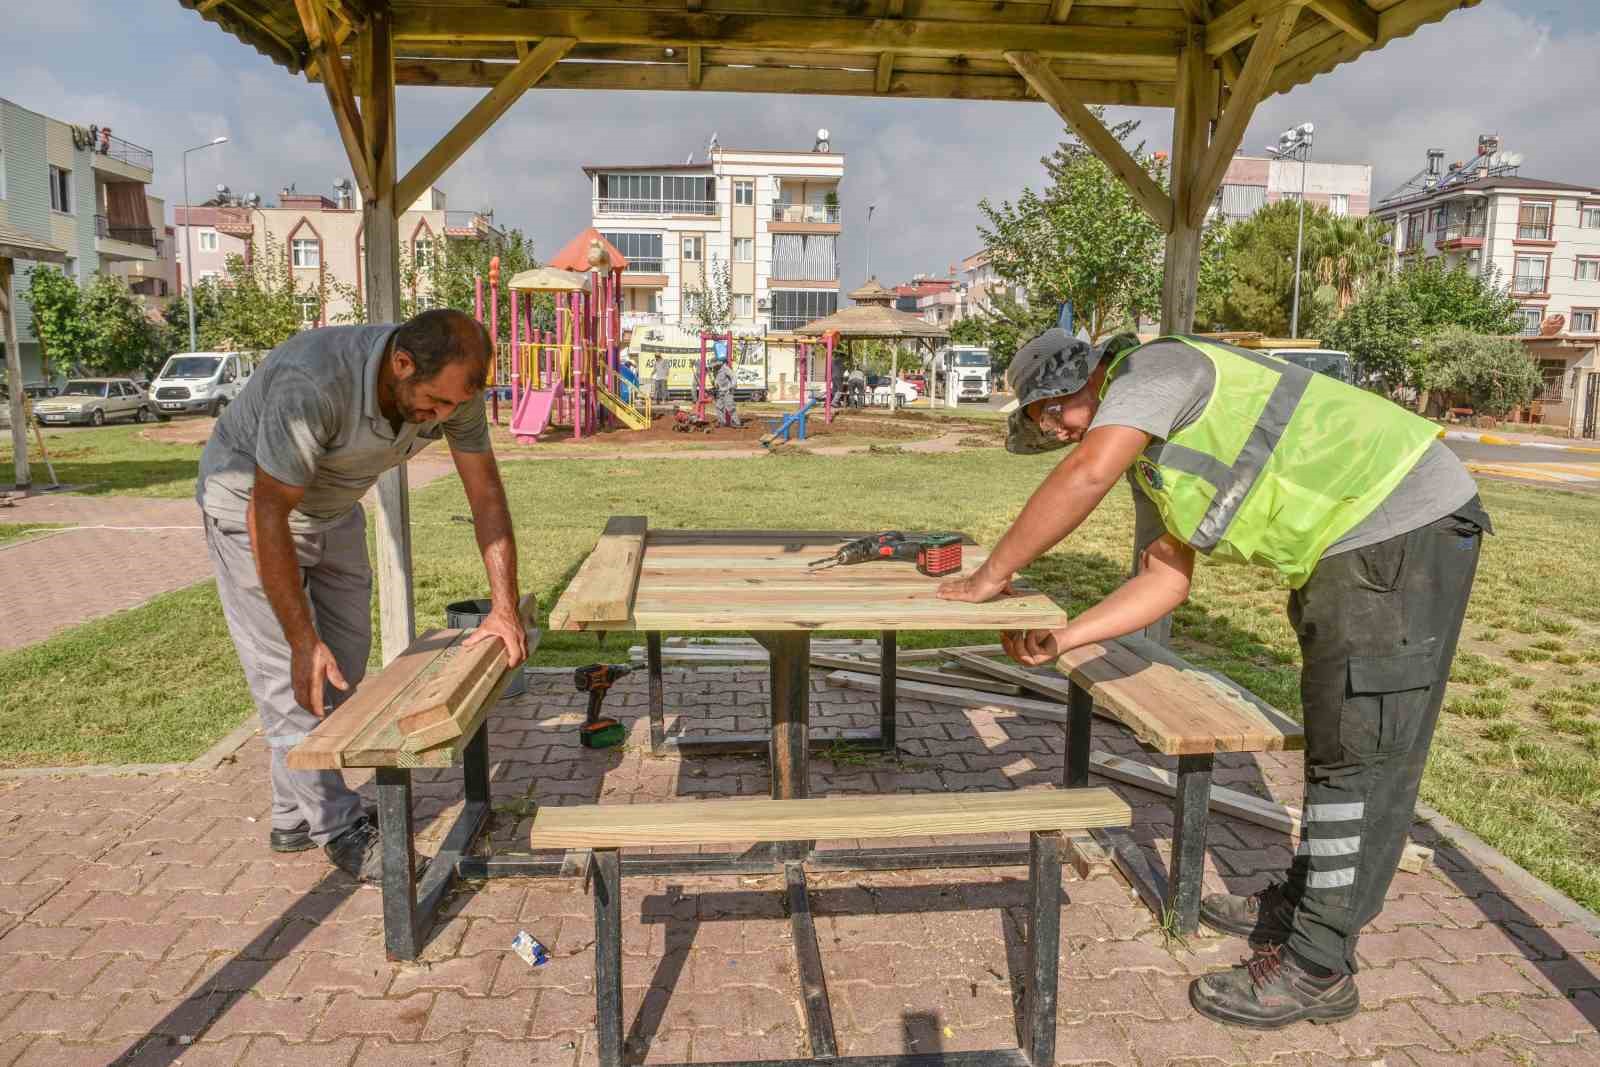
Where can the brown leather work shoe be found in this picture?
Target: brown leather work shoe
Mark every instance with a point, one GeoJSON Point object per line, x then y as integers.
{"type": "Point", "coordinates": [1264, 916]}
{"type": "Point", "coordinates": [1271, 990]}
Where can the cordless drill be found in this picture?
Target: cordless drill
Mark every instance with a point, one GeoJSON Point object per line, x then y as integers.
{"type": "Point", "coordinates": [595, 679]}
{"type": "Point", "coordinates": [935, 555]}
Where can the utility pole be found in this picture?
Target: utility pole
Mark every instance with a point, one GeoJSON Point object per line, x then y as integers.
{"type": "Point", "coordinates": [1296, 144]}
{"type": "Point", "coordinates": [188, 231]}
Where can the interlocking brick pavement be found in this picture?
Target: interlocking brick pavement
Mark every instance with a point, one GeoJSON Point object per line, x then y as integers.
{"type": "Point", "coordinates": [144, 922]}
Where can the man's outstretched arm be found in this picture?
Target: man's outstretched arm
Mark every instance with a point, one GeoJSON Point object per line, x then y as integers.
{"type": "Point", "coordinates": [491, 521]}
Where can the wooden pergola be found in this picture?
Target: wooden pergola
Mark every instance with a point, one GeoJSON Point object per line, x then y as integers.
{"type": "Point", "coordinates": [1210, 61]}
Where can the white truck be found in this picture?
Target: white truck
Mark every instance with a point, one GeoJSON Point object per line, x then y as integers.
{"type": "Point", "coordinates": [200, 381]}
{"type": "Point", "coordinates": [971, 367]}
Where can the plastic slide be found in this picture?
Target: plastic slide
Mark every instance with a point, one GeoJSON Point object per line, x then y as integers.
{"type": "Point", "coordinates": [532, 416]}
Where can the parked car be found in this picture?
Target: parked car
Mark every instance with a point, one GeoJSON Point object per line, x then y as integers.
{"type": "Point", "coordinates": [902, 389]}
{"type": "Point", "coordinates": [200, 381]}
{"type": "Point", "coordinates": [94, 402]}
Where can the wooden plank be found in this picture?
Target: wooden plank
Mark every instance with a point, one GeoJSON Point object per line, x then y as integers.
{"type": "Point", "coordinates": [469, 706]}
{"type": "Point", "coordinates": [341, 97]}
{"type": "Point", "coordinates": [885, 73]}
{"type": "Point", "coordinates": [1241, 22]}
{"type": "Point", "coordinates": [432, 712]}
{"type": "Point", "coordinates": [1247, 93]}
{"type": "Point", "coordinates": [603, 588]}
{"type": "Point", "coordinates": [484, 114]}
{"type": "Point", "coordinates": [1060, 10]}
{"type": "Point", "coordinates": [913, 674]}
{"type": "Point", "coordinates": [696, 65]}
{"type": "Point", "coordinates": [321, 751]}
{"type": "Point", "coordinates": [1251, 809]}
{"type": "Point", "coordinates": [952, 696]}
{"type": "Point", "coordinates": [1055, 688]}
{"type": "Point", "coordinates": [1243, 700]}
{"type": "Point", "coordinates": [1055, 92]}
{"type": "Point", "coordinates": [1352, 16]}
{"type": "Point", "coordinates": [1399, 20]}
{"type": "Point", "coordinates": [732, 821]}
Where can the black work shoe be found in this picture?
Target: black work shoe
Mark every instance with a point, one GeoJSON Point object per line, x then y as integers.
{"type": "Point", "coordinates": [1264, 916]}
{"type": "Point", "coordinates": [298, 838]}
{"type": "Point", "coordinates": [358, 852]}
{"type": "Point", "coordinates": [1271, 990]}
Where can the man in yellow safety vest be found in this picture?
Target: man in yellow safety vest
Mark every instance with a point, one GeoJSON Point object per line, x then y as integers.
{"type": "Point", "coordinates": [1372, 524]}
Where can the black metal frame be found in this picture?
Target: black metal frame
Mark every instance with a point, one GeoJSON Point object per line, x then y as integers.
{"type": "Point", "coordinates": [1037, 1021]}
{"type": "Point", "coordinates": [410, 906]}
{"type": "Point", "coordinates": [1178, 893]}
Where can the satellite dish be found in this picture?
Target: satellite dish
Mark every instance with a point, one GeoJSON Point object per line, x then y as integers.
{"type": "Point", "coordinates": [822, 134]}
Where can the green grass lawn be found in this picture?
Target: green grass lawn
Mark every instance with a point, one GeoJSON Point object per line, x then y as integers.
{"type": "Point", "coordinates": [1517, 758]}
{"type": "Point", "coordinates": [114, 459]}
{"type": "Point", "coordinates": [16, 531]}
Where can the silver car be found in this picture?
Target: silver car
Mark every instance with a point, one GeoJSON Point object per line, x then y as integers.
{"type": "Point", "coordinates": [94, 402]}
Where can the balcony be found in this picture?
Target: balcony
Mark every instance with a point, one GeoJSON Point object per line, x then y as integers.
{"type": "Point", "coordinates": [610, 205]}
{"type": "Point", "coordinates": [788, 323]}
{"type": "Point", "coordinates": [468, 224]}
{"type": "Point", "coordinates": [822, 213]}
{"type": "Point", "coordinates": [634, 319]}
{"type": "Point", "coordinates": [124, 242]}
{"type": "Point", "coordinates": [643, 265]}
{"type": "Point", "coordinates": [122, 158]}
{"type": "Point", "coordinates": [1461, 233]}
{"type": "Point", "coordinates": [1538, 231]}
{"type": "Point", "coordinates": [1529, 284]}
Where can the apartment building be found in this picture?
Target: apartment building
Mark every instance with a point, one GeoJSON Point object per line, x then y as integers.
{"type": "Point", "coordinates": [82, 189]}
{"type": "Point", "coordinates": [1252, 182]}
{"type": "Point", "coordinates": [1540, 238]}
{"type": "Point", "coordinates": [771, 216]}
{"type": "Point", "coordinates": [320, 240]}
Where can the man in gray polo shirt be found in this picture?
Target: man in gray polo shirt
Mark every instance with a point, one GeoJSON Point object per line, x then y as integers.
{"type": "Point", "coordinates": [280, 484]}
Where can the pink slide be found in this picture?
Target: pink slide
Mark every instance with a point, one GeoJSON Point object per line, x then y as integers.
{"type": "Point", "coordinates": [532, 416]}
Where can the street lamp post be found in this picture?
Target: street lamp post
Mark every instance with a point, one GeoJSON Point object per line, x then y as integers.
{"type": "Point", "coordinates": [1296, 144]}
{"type": "Point", "coordinates": [870, 209]}
{"type": "Point", "coordinates": [188, 234]}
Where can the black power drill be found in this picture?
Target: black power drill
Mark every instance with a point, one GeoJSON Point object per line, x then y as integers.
{"type": "Point", "coordinates": [935, 555]}
{"type": "Point", "coordinates": [595, 679]}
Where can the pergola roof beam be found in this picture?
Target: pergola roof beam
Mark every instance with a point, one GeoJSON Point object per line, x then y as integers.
{"type": "Point", "coordinates": [322, 47]}
{"type": "Point", "coordinates": [1238, 24]}
{"type": "Point", "coordinates": [1352, 16]}
{"type": "Point", "coordinates": [484, 113]}
{"type": "Point", "coordinates": [1156, 203]}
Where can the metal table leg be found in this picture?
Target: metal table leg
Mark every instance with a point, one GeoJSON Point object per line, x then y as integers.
{"type": "Point", "coordinates": [658, 714]}
{"type": "Point", "coordinates": [888, 667]}
{"type": "Point", "coordinates": [402, 939]}
{"type": "Point", "coordinates": [605, 873]}
{"type": "Point", "coordinates": [1080, 716]}
{"type": "Point", "coordinates": [789, 749]}
{"type": "Point", "coordinates": [1189, 840]}
{"type": "Point", "coordinates": [1044, 948]}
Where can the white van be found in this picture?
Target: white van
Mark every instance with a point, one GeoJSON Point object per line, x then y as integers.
{"type": "Point", "coordinates": [200, 381]}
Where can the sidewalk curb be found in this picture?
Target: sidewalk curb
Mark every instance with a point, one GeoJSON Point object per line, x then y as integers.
{"type": "Point", "coordinates": [208, 760]}
{"type": "Point", "coordinates": [1510, 442]}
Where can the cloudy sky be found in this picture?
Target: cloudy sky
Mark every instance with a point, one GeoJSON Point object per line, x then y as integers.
{"type": "Point", "coordinates": [162, 77]}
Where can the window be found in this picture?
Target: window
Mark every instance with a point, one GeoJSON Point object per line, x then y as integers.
{"type": "Point", "coordinates": [1242, 201]}
{"type": "Point", "coordinates": [1413, 238]}
{"type": "Point", "coordinates": [306, 252]}
{"type": "Point", "coordinates": [70, 268]}
{"type": "Point", "coordinates": [1530, 318]}
{"type": "Point", "coordinates": [805, 257]}
{"type": "Point", "coordinates": [641, 250]}
{"type": "Point", "coordinates": [1533, 220]}
{"type": "Point", "coordinates": [793, 308]}
{"type": "Point", "coordinates": [1289, 198]}
{"type": "Point", "coordinates": [2, 174]}
{"type": "Point", "coordinates": [744, 249]}
{"type": "Point", "coordinates": [1554, 373]}
{"type": "Point", "coordinates": [1588, 214]}
{"type": "Point", "coordinates": [422, 252]}
{"type": "Point", "coordinates": [744, 191]}
{"type": "Point", "coordinates": [744, 306]}
{"type": "Point", "coordinates": [1588, 269]}
{"type": "Point", "coordinates": [1531, 275]}
{"type": "Point", "coordinates": [694, 249]}
{"type": "Point", "coordinates": [1339, 204]}
{"type": "Point", "coordinates": [207, 240]}
{"type": "Point", "coordinates": [310, 308]}
{"type": "Point", "coordinates": [61, 190]}
{"type": "Point", "coordinates": [671, 194]}
{"type": "Point", "coordinates": [1582, 320]}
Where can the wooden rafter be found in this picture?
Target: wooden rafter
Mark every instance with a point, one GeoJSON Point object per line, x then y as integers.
{"type": "Point", "coordinates": [430, 167]}
{"type": "Point", "coordinates": [1400, 20]}
{"type": "Point", "coordinates": [1093, 133]}
{"type": "Point", "coordinates": [321, 48]}
{"type": "Point", "coordinates": [885, 73]}
{"type": "Point", "coordinates": [696, 65]}
{"type": "Point", "coordinates": [1276, 26]}
{"type": "Point", "coordinates": [1238, 24]}
{"type": "Point", "coordinates": [1352, 16]}
{"type": "Point", "coordinates": [1059, 10]}
{"type": "Point", "coordinates": [341, 34]}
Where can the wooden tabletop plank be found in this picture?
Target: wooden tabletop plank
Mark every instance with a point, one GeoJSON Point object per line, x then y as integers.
{"type": "Point", "coordinates": [899, 815]}
{"type": "Point", "coordinates": [603, 588]}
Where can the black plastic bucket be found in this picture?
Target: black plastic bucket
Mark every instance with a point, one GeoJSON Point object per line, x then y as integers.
{"type": "Point", "coordinates": [468, 615]}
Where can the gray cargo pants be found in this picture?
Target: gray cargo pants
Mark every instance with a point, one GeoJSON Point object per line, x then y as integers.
{"type": "Point", "coordinates": [338, 583]}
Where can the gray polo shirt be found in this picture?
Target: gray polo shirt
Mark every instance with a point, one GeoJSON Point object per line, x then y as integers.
{"type": "Point", "coordinates": [1164, 387]}
{"type": "Point", "coordinates": [309, 417]}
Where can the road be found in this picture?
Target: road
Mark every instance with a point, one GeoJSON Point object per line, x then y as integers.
{"type": "Point", "coordinates": [1541, 466]}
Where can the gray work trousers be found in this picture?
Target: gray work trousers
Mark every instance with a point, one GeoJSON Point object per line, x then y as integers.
{"type": "Point", "coordinates": [338, 582]}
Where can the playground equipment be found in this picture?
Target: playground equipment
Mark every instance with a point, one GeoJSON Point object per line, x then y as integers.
{"type": "Point", "coordinates": [571, 375]}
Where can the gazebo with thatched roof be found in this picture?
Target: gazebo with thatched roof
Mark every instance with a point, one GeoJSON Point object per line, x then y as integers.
{"type": "Point", "coordinates": [873, 317]}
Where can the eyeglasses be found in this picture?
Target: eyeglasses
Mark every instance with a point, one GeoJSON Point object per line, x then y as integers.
{"type": "Point", "coordinates": [1050, 417]}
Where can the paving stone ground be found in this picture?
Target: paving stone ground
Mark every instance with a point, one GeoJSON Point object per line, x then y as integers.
{"type": "Point", "coordinates": [143, 921]}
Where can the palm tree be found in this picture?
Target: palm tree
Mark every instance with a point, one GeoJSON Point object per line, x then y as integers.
{"type": "Point", "coordinates": [1348, 253]}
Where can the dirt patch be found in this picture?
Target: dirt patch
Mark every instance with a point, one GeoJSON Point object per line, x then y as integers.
{"type": "Point", "coordinates": [853, 425]}
{"type": "Point", "coordinates": [192, 431]}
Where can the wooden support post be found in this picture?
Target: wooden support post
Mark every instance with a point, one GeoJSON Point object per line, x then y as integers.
{"type": "Point", "coordinates": [18, 411]}
{"type": "Point", "coordinates": [1092, 132]}
{"type": "Point", "coordinates": [696, 61]}
{"type": "Point", "coordinates": [463, 134]}
{"type": "Point", "coordinates": [1059, 10]}
{"type": "Point", "coordinates": [789, 748]}
{"type": "Point", "coordinates": [380, 216]}
{"type": "Point", "coordinates": [324, 49]}
{"type": "Point", "coordinates": [1191, 120]}
{"type": "Point", "coordinates": [885, 73]}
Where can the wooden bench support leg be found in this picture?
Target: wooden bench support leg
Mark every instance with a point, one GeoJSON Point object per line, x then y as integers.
{"type": "Point", "coordinates": [1044, 949]}
{"type": "Point", "coordinates": [888, 665]}
{"type": "Point", "coordinates": [808, 961]}
{"type": "Point", "coordinates": [605, 872]}
{"type": "Point", "coordinates": [402, 934]}
{"type": "Point", "coordinates": [1080, 716]}
{"type": "Point", "coordinates": [658, 712]}
{"type": "Point", "coordinates": [1189, 841]}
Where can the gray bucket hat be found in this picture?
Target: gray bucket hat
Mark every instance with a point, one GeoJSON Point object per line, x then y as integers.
{"type": "Point", "coordinates": [1053, 364]}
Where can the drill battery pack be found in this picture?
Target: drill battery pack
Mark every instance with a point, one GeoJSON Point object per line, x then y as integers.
{"type": "Point", "coordinates": [939, 555]}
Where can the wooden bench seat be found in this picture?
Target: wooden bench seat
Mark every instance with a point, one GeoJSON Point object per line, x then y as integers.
{"type": "Point", "coordinates": [1171, 707]}
{"type": "Point", "coordinates": [1043, 813]}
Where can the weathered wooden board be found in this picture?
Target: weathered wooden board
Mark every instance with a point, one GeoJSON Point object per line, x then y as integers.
{"type": "Point", "coordinates": [603, 589]}
{"type": "Point", "coordinates": [728, 821]}
{"type": "Point", "coordinates": [453, 688]}
{"type": "Point", "coordinates": [953, 696]}
{"type": "Point", "coordinates": [914, 674]}
{"type": "Point", "coordinates": [322, 750]}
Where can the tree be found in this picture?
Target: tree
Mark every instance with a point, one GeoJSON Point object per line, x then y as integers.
{"type": "Point", "coordinates": [1461, 297]}
{"type": "Point", "coordinates": [1003, 326]}
{"type": "Point", "coordinates": [1258, 255]}
{"type": "Point", "coordinates": [711, 305]}
{"type": "Point", "coordinates": [1379, 331]}
{"type": "Point", "coordinates": [1085, 239]}
{"type": "Point", "coordinates": [1346, 254]}
{"type": "Point", "coordinates": [58, 321]}
{"type": "Point", "coordinates": [1493, 374]}
{"type": "Point", "coordinates": [119, 336]}
{"type": "Point", "coordinates": [466, 259]}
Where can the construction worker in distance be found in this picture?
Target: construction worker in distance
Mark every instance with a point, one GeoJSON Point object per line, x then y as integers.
{"type": "Point", "coordinates": [659, 372]}
{"type": "Point", "coordinates": [726, 383]}
{"type": "Point", "coordinates": [1372, 524]}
